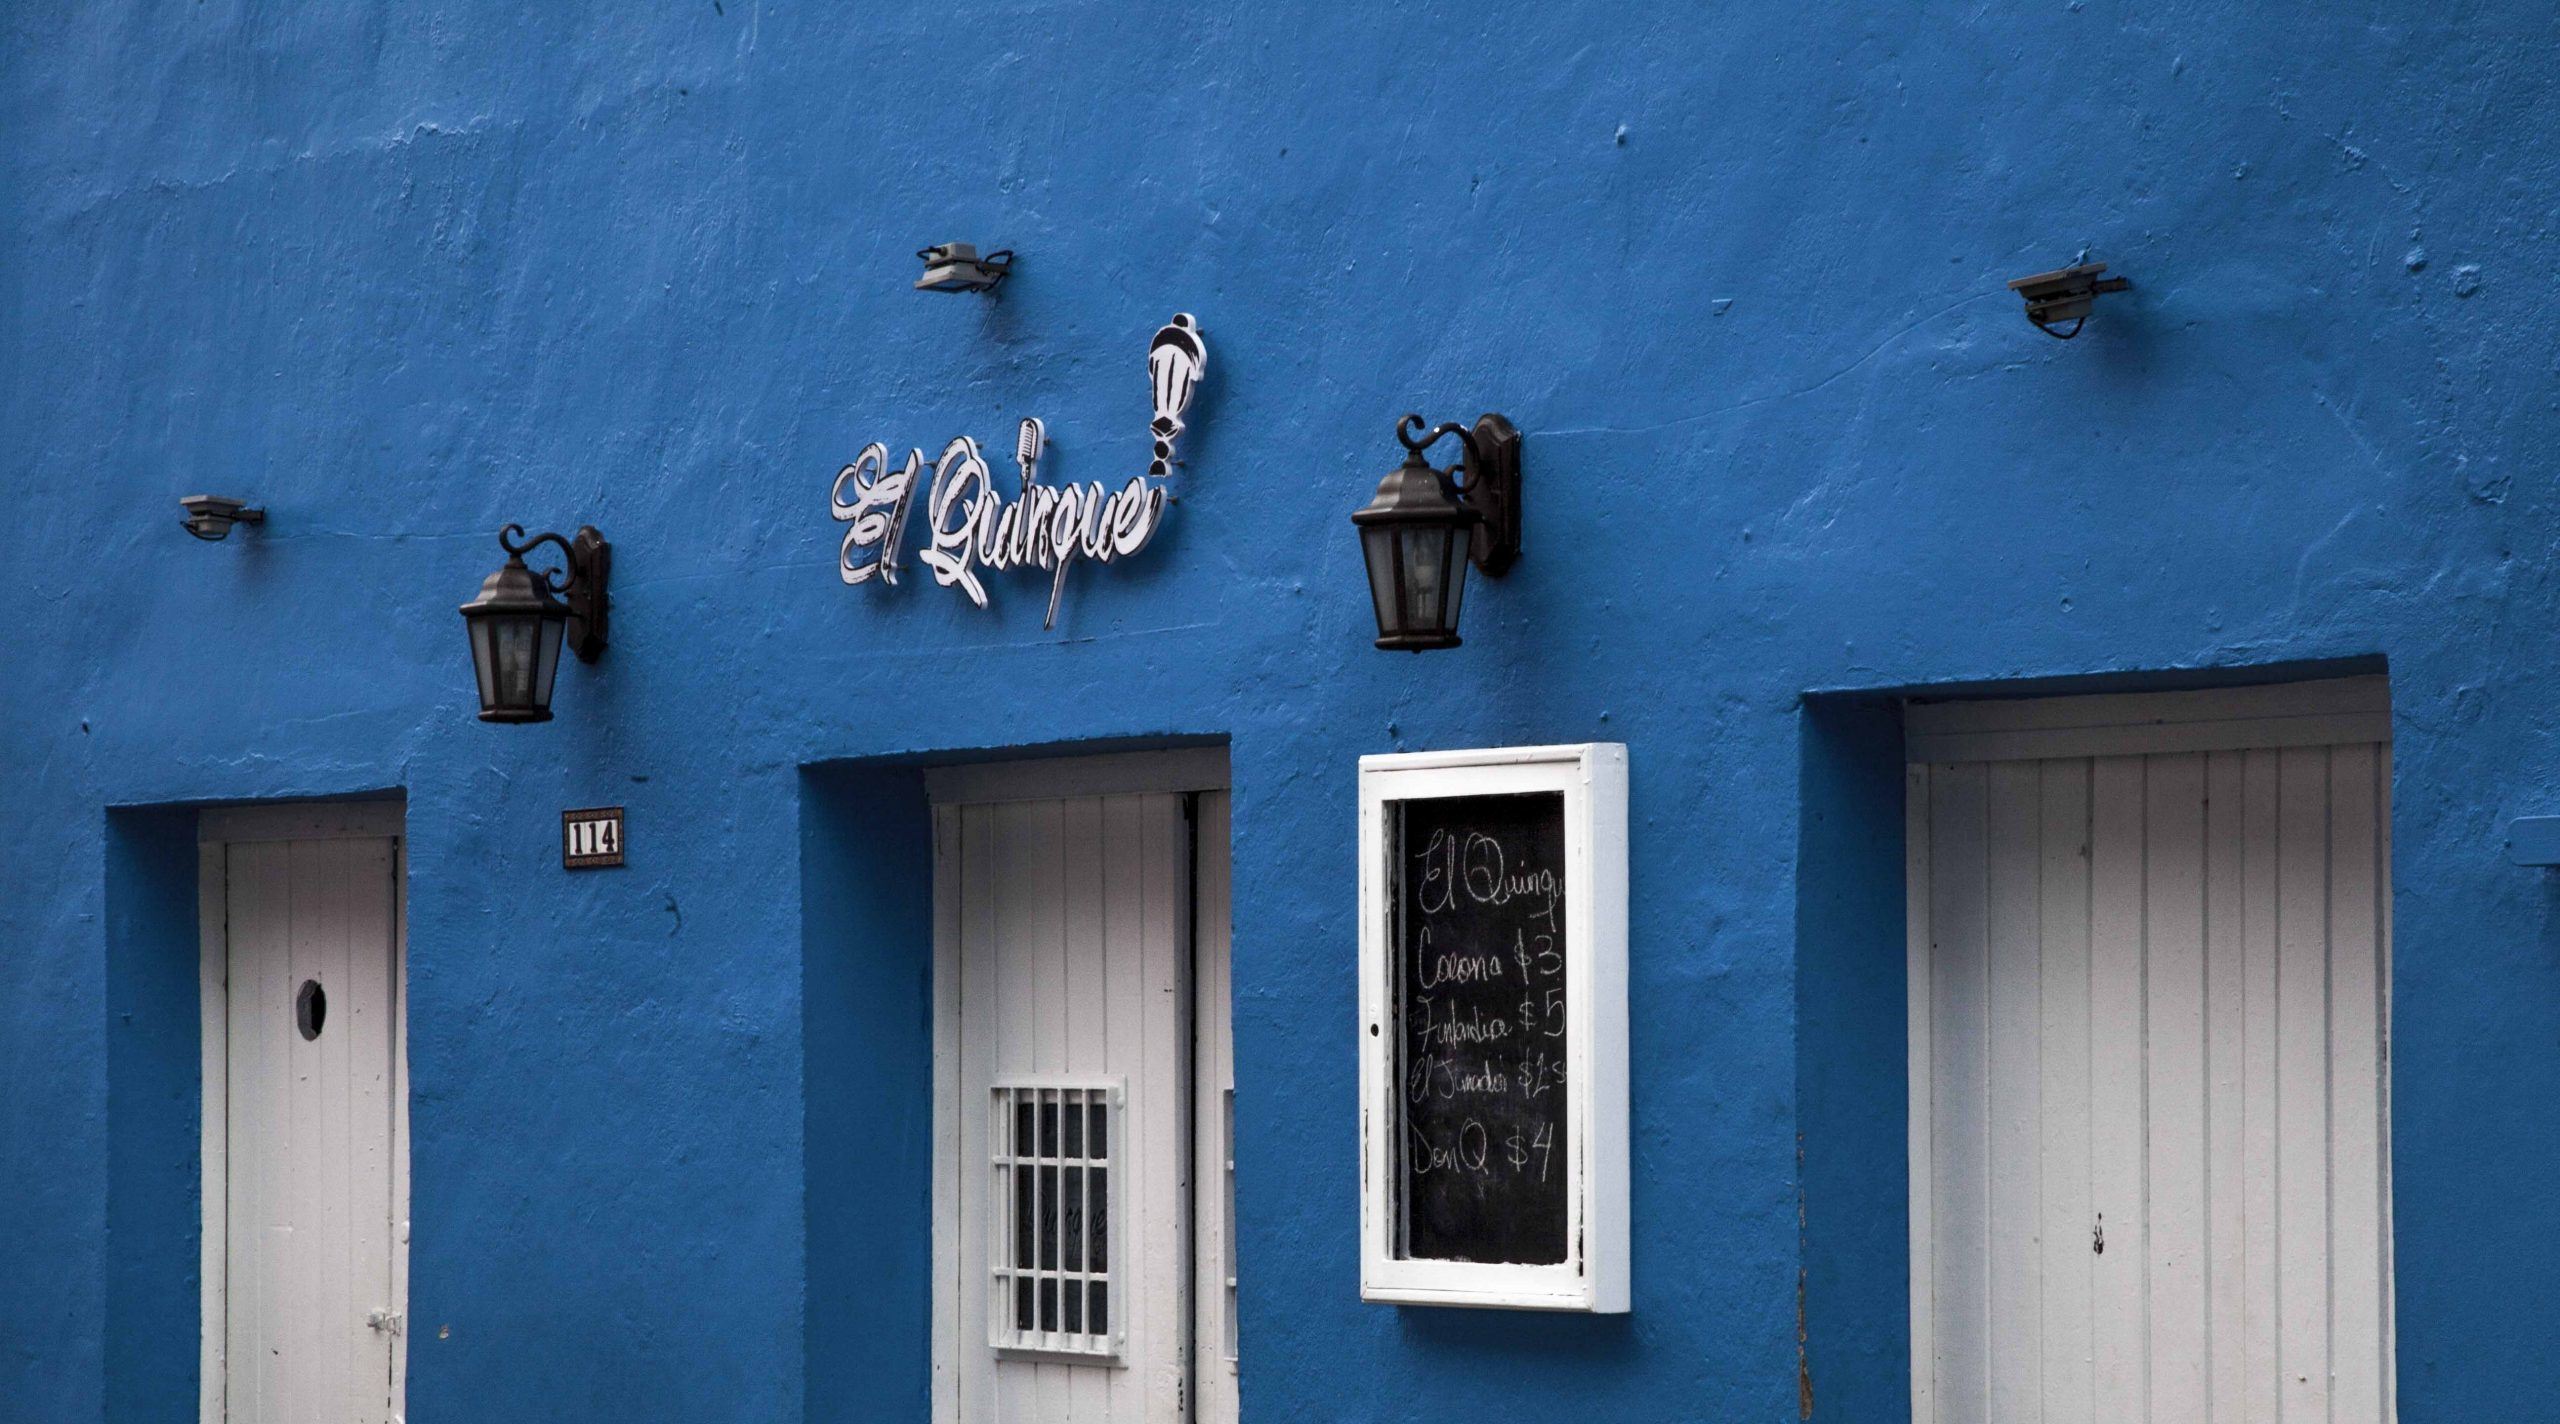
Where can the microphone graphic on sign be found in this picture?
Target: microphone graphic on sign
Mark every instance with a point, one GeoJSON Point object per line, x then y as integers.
{"type": "Point", "coordinates": [1175, 360]}
{"type": "Point", "coordinates": [1027, 447]}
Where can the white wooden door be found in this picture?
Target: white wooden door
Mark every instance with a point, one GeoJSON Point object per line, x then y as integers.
{"type": "Point", "coordinates": [1066, 1207]}
{"type": "Point", "coordinates": [2149, 1114]}
{"type": "Point", "coordinates": [309, 1192]}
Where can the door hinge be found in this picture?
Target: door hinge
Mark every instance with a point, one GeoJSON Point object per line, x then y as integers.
{"type": "Point", "coordinates": [386, 1321]}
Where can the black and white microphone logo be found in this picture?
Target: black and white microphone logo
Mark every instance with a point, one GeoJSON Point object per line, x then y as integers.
{"type": "Point", "coordinates": [1175, 359]}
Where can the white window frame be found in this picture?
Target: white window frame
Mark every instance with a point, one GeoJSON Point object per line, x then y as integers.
{"type": "Point", "coordinates": [1593, 1276]}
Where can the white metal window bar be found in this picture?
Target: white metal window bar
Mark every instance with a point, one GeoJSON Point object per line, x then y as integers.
{"type": "Point", "coordinates": [1056, 1219]}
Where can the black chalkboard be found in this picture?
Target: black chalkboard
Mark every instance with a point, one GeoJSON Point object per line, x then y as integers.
{"type": "Point", "coordinates": [1479, 911]}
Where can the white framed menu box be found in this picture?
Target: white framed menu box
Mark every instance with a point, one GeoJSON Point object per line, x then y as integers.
{"type": "Point", "coordinates": [1493, 1028]}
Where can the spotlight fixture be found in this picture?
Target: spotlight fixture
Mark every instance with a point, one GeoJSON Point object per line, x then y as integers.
{"type": "Point", "coordinates": [1425, 526]}
{"type": "Point", "coordinates": [957, 267]}
{"type": "Point", "coordinates": [519, 621]}
{"type": "Point", "coordinates": [2066, 295]}
{"type": "Point", "coordinates": [210, 516]}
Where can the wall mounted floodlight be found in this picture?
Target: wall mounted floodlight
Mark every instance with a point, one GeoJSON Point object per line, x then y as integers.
{"type": "Point", "coordinates": [2066, 295]}
{"type": "Point", "coordinates": [210, 516]}
{"type": "Point", "coordinates": [521, 617]}
{"type": "Point", "coordinates": [957, 267]}
{"type": "Point", "coordinates": [1425, 526]}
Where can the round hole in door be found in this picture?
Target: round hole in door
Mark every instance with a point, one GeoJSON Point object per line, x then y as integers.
{"type": "Point", "coordinates": [310, 1009]}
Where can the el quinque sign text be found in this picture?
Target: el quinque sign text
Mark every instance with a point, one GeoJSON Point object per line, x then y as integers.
{"type": "Point", "coordinates": [973, 525]}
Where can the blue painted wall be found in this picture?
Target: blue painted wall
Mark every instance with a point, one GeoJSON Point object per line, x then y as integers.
{"type": "Point", "coordinates": [866, 892]}
{"type": "Point", "coordinates": [1852, 1038]}
{"type": "Point", "coordinates": [403, 274]}
{"type": "Point", "coordinates": [154, 1177]}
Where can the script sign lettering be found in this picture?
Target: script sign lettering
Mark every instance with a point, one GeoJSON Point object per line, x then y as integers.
{"type": "Point", "coordinates": [971, 524]}
{"type": "Point", "coordinates": [1485, 1140]}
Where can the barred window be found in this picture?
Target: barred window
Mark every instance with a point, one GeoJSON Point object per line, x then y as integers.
{"type": "Point", "coordinates": [1051, 1199]}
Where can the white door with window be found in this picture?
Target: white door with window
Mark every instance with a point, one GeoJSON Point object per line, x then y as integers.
{"type": "Point", "coordinates": [2150, 1015]}
{"type": "Point", "coordinates": [1081, 1185]}
{"type": "Point", "coordinates": [305, 1179]}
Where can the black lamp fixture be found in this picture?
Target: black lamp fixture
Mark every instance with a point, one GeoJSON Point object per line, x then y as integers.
{"type": "Point", "coordinates": [1427, 525]}
{"type": "Point", "coordinates": [2066, 295]}
{"type": "Point", "coordinates": [520, 619]}
{"type": "Point", "coordinates": [957, 267]}
{"type": "Point", "coordinates": [210, 516]}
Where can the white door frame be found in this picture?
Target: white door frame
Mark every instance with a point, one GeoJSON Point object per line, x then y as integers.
{"type": "Point", "coordinates": [217, 830]}
{"type": "Point", "coordinates": [2328, 712]}
{"type": "Point", "coordinates": [1178, 771]}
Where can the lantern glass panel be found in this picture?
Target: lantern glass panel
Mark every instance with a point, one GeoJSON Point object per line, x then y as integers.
{"type": "Point", "coordinates": [517, 636]}
{"type": "Point", "coordinates": [484, 661]}
{"type": "Point", "coordinates": [548, 665]}
{"type": "Point", "coordinates": [517, 656]}
{"type": "Point", "coordinates": [1434, 573]}
{"type": "Point", "coordinates": [1426, 571]}
{"type": "Point", "coordinates": [1378, 549]}
{"type": "Point", "coordinates": [1454, 559]}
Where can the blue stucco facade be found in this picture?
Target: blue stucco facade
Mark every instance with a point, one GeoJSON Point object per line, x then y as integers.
{"type": "Point", "coordinates": [403, 274]}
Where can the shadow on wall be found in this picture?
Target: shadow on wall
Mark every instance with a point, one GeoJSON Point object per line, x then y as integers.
{"type": "Point", "coordinates": [1853, 1290]}
{"type": "Point", "coordinates": [866, 944]}
{"type": "Point", "coordinates": [155, 1178]}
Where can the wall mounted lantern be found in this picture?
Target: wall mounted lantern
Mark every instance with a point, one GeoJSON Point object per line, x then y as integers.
{"type": "Point", "coordinates": [1427, 525]}
{"type": "Point", "coordinates": [2066, 295]}
{"type": "Point", "coordinates": [957, 267]}
{"type": "Point", "coordinates": [210, 516]}
{"type": "Point", "coordinates": [520, 619]}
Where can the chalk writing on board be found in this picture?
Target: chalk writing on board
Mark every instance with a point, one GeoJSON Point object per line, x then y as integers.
{"type": "Point", "coordinates": [1479, 939]}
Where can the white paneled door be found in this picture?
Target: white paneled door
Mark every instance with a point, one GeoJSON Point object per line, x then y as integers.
{"type": "Point", "coordinates": [2150, 1123]}
{"type": "Point", "coordinates": [303, 1179]}
{"type": "Point", "coordinates": [1077, 1094]}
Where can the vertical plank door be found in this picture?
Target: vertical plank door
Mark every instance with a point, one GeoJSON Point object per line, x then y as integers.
{"type": "Point", "coordinates": [310, 1311]}
{"type": "Point", "coordinates": [1073, 921]}
{"type": "Point", "coordinates": [2149, 1113]}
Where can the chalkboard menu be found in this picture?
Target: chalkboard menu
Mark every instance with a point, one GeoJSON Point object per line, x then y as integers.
{"type": "Point", "coordinates": [1484, 1147]}
{"type": "Point", "coordinates": [1493, 1028]}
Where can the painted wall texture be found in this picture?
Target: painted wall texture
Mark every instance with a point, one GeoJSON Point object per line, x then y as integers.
{"type": "Point", "coordinates": [403, 274]}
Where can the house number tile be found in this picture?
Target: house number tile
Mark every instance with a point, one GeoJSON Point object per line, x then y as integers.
{"type": "Point", "coordinates": [591, 839]}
